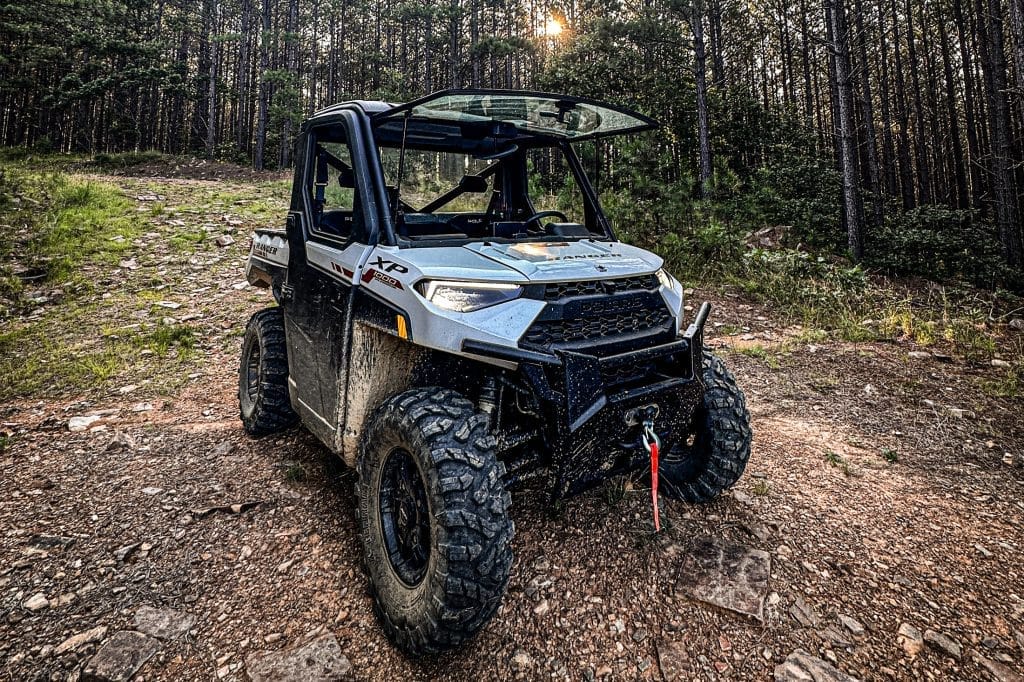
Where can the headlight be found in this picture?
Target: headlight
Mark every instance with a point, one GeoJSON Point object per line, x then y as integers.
{"type": "Point", "coordinates": [668, 281]}
{"type": "Point", "coordinates": [464, 297]}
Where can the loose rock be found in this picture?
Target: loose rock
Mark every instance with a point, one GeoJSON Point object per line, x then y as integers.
{"type": "Point", "coordinates": [166, 624]}
{"type": "Point", "coordinates": [997, 670]}
{"type": "Point", "coordinates": [75, 642]}
{"type": "Point", "coordinates": [852, 625]}
{"type": "Point", "coordinates": [521, 661]}
{"type": "Point", "coordinates": [943, 643]}
{"type": "Point", "coordinates": [800, 666]}
{"type": "Point", "coordinates": [37, 602]}
{"type": "Point", "coordinates": [122, 553]}
{"type": "Point", "coordinates": [727, 574]}
{"type": "Point", "coordinates": [320, 660]}
{"type": "Point", "coordinates": [121, 656]}
{"type": "Point", "coordinates": [82, 423]}
{"type": "Point", "coordinates": [910, 639]}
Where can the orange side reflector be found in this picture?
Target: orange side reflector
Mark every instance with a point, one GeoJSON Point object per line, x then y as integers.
{"type": "Point", "coordinates": [402, 330]}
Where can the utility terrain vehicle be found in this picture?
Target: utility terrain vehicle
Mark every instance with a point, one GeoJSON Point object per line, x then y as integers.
{"type": "Point", "coordinates": [455, 316]}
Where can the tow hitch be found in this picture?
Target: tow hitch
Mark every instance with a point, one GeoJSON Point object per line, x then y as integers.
{"type": "Point", "coordinates": [645, 416]}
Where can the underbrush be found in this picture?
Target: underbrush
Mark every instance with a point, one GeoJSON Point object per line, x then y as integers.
{"type": "Point", "coordinates": [122, 160]}
{"type": "Point", "coordinates": [54, 223]}
{"type": "Point", "coordinates": [829, 297]}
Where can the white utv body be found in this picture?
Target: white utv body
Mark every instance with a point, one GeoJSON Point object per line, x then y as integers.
{"type": "Point", "coordinates": [454, 317]}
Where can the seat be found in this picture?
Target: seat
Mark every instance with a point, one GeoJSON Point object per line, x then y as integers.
{"type": "Point", "coordinates": [337, 222]}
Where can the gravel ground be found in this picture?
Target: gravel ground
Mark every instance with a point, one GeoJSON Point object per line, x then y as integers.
{"type": "Point", "coordinates": [136, 510]}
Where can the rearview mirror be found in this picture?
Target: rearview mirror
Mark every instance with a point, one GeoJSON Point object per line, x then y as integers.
{"type": "Point", "coordinates": [473, 183]}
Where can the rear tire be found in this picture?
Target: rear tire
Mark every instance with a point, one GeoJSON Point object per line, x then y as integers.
{"type": "Point", "coordinates": [263, 399]}
{"type": "Point", "coordinates": [434, 519]}
{"type": "Point", "coordinates": [719, 442]}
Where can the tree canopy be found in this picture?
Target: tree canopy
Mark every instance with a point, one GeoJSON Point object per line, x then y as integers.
{"type": "Point", "coordinates": [867, 126]}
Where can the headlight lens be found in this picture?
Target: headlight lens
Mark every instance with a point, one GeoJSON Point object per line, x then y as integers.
{"type": "Point", "coordinates": [464, 297]}
{"type": "Point", "coordinates": [668, 281]}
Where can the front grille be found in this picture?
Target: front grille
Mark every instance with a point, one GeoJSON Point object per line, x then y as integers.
{"type": "Point", "coordinates": [626, 373]}
{"type": "Point", "coordinates": [599, 327]}
{"type": "Point", "coordinates": [604, 287]}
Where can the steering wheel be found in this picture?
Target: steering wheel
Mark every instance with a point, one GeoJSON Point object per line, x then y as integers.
{"type": "Point", "coordinates": [537, 217]}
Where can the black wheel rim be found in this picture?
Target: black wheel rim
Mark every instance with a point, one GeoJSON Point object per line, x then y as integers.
{"type": "Point", "coordinates": [405, 517]}
{"type": "Point", "coordinates": [251, 382]}
{"type": "Point", "coordinates": [687, 457]}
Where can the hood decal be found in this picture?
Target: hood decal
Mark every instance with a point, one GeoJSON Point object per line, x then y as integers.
{"type": "Point", "coordinates": [571, 260]}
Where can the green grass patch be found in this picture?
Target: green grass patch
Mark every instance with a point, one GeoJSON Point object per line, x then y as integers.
{"type": "Point", "coordinates": [187, 239]}
{"type": "Point", "coordinates": [765, 355]}
{"type": "Point", "coordinates": [164, 337]}
{"type": "Point", "coordinates": [55, 223]}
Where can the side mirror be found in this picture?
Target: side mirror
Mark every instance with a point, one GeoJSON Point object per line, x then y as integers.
{"type": "Point", "coordinates": [346, 178]}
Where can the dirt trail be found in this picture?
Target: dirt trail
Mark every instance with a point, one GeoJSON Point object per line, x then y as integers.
{"type": "Point", "coordinates": [858, 544]}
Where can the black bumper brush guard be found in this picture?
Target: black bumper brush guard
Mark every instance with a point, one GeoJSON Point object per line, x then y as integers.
{"type": "Point", "coordinates": [598, 432]}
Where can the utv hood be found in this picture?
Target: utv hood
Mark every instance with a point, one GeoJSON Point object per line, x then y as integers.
{"type": "Point", "coordinates": [569, 260]}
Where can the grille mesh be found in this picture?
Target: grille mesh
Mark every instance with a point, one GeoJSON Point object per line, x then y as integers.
{"type": "Point", "coordinates": [548, 332]}
{"type": "Point", "coordinates": [560, 290]}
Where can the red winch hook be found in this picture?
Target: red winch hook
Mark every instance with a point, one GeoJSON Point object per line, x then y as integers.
{"type": "Point", "coordinates": [652, 444]}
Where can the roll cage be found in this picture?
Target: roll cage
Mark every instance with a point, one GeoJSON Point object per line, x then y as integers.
{"type": "Point", "coordinates": [502, 125]}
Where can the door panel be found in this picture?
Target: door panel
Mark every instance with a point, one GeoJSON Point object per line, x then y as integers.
{"type": "Point", "coordinates": [337, 270]}
{"type": "Point", "coordinates": [301, 308]}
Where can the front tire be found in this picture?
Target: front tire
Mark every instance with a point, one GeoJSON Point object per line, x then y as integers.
{"type": "Point", "coordinates": [717, 449]}
{"type": "Point", "coordinates": [263, 399]}
{"type": "Point", "coordinates": [434, 519]}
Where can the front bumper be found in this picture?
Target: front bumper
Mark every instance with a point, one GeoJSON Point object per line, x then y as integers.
{"type": "Point", "coordinates": [594, 399]}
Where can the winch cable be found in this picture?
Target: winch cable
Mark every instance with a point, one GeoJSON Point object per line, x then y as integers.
{"type": "Point", "coordinates": [652, 444]}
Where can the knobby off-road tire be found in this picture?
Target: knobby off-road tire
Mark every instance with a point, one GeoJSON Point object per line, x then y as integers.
{"type": "Point", "coordinates": [719, 444]}
{"type": "Point", "coordinates": [263, 375]}
{"type": "Point", "coordinates": [439, 568]}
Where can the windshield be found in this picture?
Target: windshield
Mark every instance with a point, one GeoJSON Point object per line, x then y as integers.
{"type": "Point", "coordinates": [560, 116]}
{"type": "Point", "coordinates": [525, 195]}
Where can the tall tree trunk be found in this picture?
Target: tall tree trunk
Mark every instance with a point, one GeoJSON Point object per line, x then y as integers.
{"type": "Point", "coordinates": [1004, 196]}
{"type": "Point", "coordinates": [717, 55]}
{"type": "Point", "coordinates": [700, 78]}
{"type": "Point", "coordinates": [244, 67]}
{"type": "Point", "coordinates": [924, 181]}
{"type": "Point", "coordinates": [805, 62]}
{"type": "Point", "coordinates": [264, 107]}
{"type": "Point", "coordinates": [1017, 31]}
{"type": "Point", "coordinates": [888, 145]}
{"type": "Point", "coordinates": [292, 65]}
{"type": "Point", "coordinates": [971, 114]}
{"type": "Point", "coordinates": [963, 197]}
{"type": "Point", "coordinates": [868, 116]}
{"type": "Point", "coordinates": [835, 15]}
{"type": "Point", "coordinates": [211, 86]}
{"type": "Point", "coordinates": [902, 117]}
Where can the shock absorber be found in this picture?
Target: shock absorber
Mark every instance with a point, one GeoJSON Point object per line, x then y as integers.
{"type": "Point", "coordinates": [488, 403]}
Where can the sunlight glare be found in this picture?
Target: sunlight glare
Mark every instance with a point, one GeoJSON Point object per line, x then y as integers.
{"type": "Point", "coordinates": [553, 27]}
